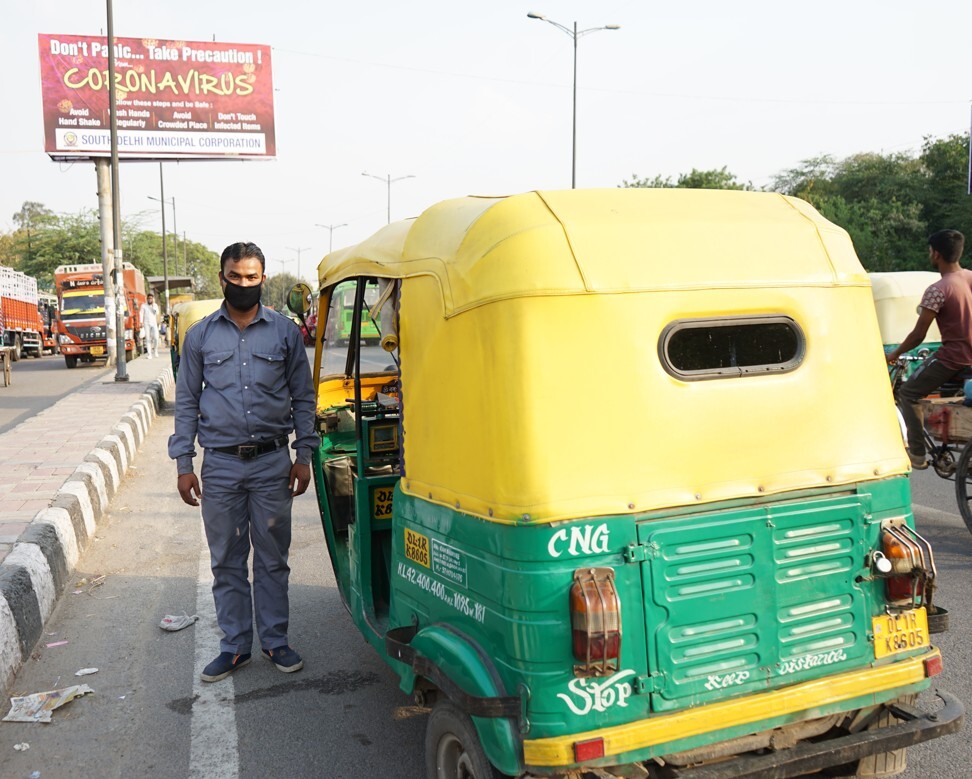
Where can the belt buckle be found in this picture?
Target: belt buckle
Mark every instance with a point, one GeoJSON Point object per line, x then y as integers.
{"type": "Point", "coordinates": [247, 451]}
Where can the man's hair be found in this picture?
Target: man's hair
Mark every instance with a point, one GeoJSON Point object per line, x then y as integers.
{"type": "Point", "coordinates": [150, 295]}
{"type": "Point", "coordinates": [240, 251]}
{"type": "Point", "coordinates": [948, 243]}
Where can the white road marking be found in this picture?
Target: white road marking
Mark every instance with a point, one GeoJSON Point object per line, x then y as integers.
{"type": "Point", "coordinates": [213, 749]}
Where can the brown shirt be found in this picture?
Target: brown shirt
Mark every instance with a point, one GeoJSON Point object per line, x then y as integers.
{"type": "Point", "coordinates": [951, 299]}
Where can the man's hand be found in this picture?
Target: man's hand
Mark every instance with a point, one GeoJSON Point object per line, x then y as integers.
{"type": "Point", "coordinates": [189, 488]}
{"type": "Point", "coordinates": [299, 476]}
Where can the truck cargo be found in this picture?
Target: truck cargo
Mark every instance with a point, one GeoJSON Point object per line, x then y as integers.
{"type": "Point", "coordinates": [21, 326]}
{"type": "Point", "coordinates": [81, 324]}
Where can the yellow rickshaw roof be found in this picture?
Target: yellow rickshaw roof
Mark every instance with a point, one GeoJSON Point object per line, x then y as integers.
{"type": "Point", "coordinates": [483, 249]}
{"type": "Point", "coordinates": [896, 298]}
{"type": "Point", "coordinates": [189, 312]}
{"type": "Point", "coordinates": [533, 369]}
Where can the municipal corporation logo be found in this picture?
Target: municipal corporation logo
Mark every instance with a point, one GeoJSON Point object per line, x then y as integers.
{"type": "Point", "coordinates": [70, 139]}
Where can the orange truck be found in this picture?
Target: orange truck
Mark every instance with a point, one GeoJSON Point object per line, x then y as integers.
{"type": "Point", "coordinates": [81, 324]}
{"type": "Point", "coordinates": [21, 326]}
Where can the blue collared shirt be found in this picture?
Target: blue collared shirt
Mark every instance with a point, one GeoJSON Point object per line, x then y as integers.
{"type": "Point", "coordinates": [243, 386]}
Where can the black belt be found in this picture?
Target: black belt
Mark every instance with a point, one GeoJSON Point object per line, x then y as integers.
{"type": "Point", "coordinates": [249, 451]}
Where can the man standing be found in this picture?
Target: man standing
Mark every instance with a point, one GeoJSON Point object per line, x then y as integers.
{"type": "Point", "coordinates": [149, 315]}
{"type": "Point", "coordinates": [244, 385]}
{"type": "Point", "coordinates": [949, 302]}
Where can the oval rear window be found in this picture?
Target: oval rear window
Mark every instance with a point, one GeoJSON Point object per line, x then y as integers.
{"type": "Point", "coordinates": [731, 346]}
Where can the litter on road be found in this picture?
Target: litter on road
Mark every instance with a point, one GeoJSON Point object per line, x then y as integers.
{"type": "Point", "coordinates": [86, 671]}
{"type": "Point", "coordinates": [38, 707]}
{"type": "Point", "coordinates": [173, 623]}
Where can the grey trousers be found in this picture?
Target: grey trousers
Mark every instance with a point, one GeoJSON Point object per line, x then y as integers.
{"type": "Point", "coordinates": [244, 502]}
{"type": "Point", "coordinates": [928, 377]}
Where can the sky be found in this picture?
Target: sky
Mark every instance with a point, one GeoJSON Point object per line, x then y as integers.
{"type": "Point", "coordinates": [474, 98]}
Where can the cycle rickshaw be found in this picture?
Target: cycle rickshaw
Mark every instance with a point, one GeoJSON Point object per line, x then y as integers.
{"type": "Point", "coordinates": [948, 422]}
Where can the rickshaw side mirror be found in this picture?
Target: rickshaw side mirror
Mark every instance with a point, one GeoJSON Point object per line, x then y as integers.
{"type": "Point", "coordinates": [299, 300]}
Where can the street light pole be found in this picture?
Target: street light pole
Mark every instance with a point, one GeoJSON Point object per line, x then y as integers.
{"type": "Point", "coordinates": [175, 225]}
{"type": "Point", "coordinates": [389, 181]}
{"type": "Point", "coordinates": [330, 237]}
{"type": "Point", "coordinates": [301, 249]}
{"type": "Point", "coordinates": [165, 246]}
{"type": "Point", "coordinates": [574, 34]}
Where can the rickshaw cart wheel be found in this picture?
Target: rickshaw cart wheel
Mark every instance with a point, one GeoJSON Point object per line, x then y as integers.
{"type": "Point", "coordinates": [963, 486]}
{"type": "Point", "coordinates": [452, 748]}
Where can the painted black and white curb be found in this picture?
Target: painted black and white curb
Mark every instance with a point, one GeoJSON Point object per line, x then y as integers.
{"type": "Point", "coordinates": [40, 565]}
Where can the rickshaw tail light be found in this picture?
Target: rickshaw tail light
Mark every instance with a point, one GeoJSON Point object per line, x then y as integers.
{"type": "Point", "coordinates": [933, 665]}
{"type": "Point", "coordinates": [595, 620]}
{"type": "Point", "coordinates": [588, 750]}
{"type": "Point", "coordinates": [912, 574]}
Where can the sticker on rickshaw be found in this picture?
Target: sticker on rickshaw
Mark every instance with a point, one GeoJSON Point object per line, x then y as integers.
{"type": "Point", "coordinates": [581, 540]}
{"type": "Point", "coordinates": [449, 563]}
{"type": "Point", "coordinates": [589, 695]}
{"type": "Point", "coordinates": [461, 603]}
{"type": "Point", "coordinates": [895, 633]}
{"type": "Point", "coordinates": [381, 503]}
{"type": "Point", "coordinates": [417, 547]}
{"type": "Point", "coordinates": [806, 662]}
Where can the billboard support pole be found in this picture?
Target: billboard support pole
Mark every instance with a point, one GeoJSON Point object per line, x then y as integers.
{"type": "Point", "coordinates": [102, 171]}
{"type": "Point", "coordinates": [121, 372]}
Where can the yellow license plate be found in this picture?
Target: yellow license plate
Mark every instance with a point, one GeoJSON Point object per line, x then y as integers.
{"type": "Point", "coordinates": [900, 632]}
{"type": "Point", "coordinates": [97, 351]}
{"type": "Point", "coordinates": [381, 502]}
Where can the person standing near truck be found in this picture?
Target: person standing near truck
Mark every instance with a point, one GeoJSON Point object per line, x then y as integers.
{"type": "Point", "coordinates": [244, 385]}
{"type": "Point", "coordinates": [949, 303]}
{"type": "Point", "coordinates": [149, 316]}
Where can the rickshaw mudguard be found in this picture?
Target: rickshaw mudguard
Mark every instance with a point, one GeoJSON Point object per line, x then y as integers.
{"type": "Point", "coordinates": [463, 672]}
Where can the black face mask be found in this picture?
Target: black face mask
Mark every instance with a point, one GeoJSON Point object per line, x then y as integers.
{"type": "Point", "coordinates": [242, 298]}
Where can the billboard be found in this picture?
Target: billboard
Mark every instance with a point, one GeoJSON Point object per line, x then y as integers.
{"type": "Point", "coordinates": [175, 99]}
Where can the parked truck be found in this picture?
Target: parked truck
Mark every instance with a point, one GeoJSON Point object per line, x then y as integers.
{"type": "Point", "coordinates": [21, 326]}
{"type": "Point", "coordinates": [81, 324]}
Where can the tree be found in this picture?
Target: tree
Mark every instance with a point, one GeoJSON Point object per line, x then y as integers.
{"type": "Point", "coordinates": [695, 179]}
{"type": "Point", "coordinates": [877, 198]}
{"type": "Point", "coordinates": [945, 199]}
{"type": "Point", "coordinates": [276, 289]}
{"type": "Point", "coordinates": [71, 239]}
{"type": "Point", "coordinates": [30, 219]}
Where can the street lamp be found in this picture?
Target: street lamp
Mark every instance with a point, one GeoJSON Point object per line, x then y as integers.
{"type": "Point", "coordinates": [330, 239]}
{"type": "Point", "coordinates": [165, 246]}
{"type": "Point", "coordinates": [389, 181]}
{"type": "Point", "coordinates": [175, 228]}
{"type": "Point", "coordinates": [301, 249]}
{"type": "Point", "coordinates": [575, 34]}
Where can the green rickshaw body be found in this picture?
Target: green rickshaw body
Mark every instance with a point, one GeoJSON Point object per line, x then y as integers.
{"type": "Point", "coordinates": [668, 547]}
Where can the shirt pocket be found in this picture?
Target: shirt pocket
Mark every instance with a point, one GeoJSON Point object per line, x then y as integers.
{"type": "Point", "coordinates": [269, 371]}
{"type": "Point", "coordinates": [219, 369]}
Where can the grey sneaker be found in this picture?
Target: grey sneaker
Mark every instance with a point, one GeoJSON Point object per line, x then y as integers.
{"type": "Point", "coordinates": [285, 658]}
{"type": "Point", "coordinates": [223, 666]}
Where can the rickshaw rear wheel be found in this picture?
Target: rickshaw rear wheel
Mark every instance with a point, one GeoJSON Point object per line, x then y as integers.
{"type": "Point", "coordinates": [452, 748]}
{"type": "Point", "coordinates": [963, 487]}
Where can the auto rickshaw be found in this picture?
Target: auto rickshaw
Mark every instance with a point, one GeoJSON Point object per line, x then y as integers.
{"type": "Point", "coordinates": [183, 316]}
{"type": "Point", "coordinates": [897, 295]}
{"type": "Point", "coordinates": [602, 501]}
